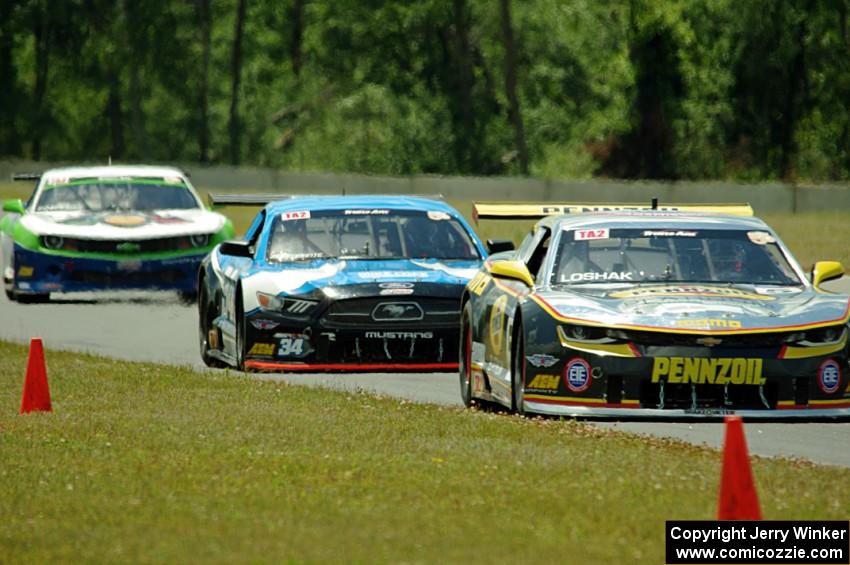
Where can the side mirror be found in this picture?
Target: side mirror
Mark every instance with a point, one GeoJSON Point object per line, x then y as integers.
{"type": "Point", "coordinates": [826, 271]}
{"type": "Point", "coordinates": [15, 206]}
{"type": "Point", "coordinates": [499, 245]}
{"type": "Point", "coordinates": [236, 248]}
{"type": "Point", "coordinates": [515, 270]}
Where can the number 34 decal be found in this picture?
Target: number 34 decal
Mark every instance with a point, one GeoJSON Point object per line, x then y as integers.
{"type": "Point", "coordinates": [293, 345]}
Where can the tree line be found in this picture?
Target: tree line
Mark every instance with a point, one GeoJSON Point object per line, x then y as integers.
{"type": "Point", "coordinates": [656, 89]}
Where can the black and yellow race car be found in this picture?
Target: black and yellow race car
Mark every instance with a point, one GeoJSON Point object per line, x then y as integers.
{"type": "Point", "coordinates": [679, 311]}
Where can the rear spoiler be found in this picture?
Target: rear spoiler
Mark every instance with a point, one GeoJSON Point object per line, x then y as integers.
{"type": "Point", "coordinates": [538, 210]}
{"type": "Point", "coordinates": [26, 176]}
{"type": "Point", "coordinates": [216, 200]}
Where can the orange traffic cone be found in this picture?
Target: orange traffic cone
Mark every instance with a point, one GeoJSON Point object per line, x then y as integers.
{"type": "Point", "coordinates": [36, 395]}
{"type": "Point", "coordinates": [738, 497]}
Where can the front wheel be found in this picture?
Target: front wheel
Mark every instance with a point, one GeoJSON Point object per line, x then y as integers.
{"type": "Point", "coordinates": [518, 371]}
{"type": "Point", "coordinates": [465, 360]}
{"type": "Point", "coordinates": [240, 333]}
{"type": "Point", "coordinates": [205, 318]}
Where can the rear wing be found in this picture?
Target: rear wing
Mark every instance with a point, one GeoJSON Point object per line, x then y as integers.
{"type": "Point", "coordinates": [26, 177]}
{"type": "Point", "coordinates": [539, 210]}
{"type": "Point", "coordinates": [216, 200]}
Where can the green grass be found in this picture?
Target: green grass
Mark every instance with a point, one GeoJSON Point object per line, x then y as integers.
{"type": "Point", "coordinates": [811, 237]}
{"type": "Point", "coordinates": [140, 462]}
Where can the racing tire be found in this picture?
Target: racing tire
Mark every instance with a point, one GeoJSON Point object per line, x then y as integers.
{"type": "Point", "coordinates": [465, 357]}
{"type": "Point", "coordinates": [188, 297]}
{"type": "Point", "coordinates": [23, 298]}
{"type": "Point", "coordinates": [204, 318]}
{"type": "Point", "coordinates": [518, 370]}
{"type": "Point", "coordinates": [239, 354]}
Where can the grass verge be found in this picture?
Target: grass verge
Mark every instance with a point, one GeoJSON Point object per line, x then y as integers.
{"type": "Point", "coordinates": [140, 462]}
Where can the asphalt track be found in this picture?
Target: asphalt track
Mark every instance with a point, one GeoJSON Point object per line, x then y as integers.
{"type": "Point", "coordinates": [157, 328]}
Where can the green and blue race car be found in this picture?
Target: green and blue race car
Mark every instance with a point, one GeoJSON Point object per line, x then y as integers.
{"type": "Point", "coordinates": [110, 227]}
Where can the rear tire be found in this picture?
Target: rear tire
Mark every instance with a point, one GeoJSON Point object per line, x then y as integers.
{"type": "Point", "coordinates": [465, 357]}
{"type": "Point", "coordinates": [518, 370]}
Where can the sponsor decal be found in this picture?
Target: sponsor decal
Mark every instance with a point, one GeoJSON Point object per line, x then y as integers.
{"type": "Point", "coordinates": [703, 370]}
{"type": "Point", "coordinates": [400, 335]}
{"type": "Point", "coordinates": [260, 348]}
{"type": "Point", "coordinates": [129, 266]}
{"type": "Point", "coordinates": [394, 311]}
{"type": "Point", "coordinates": [542, 360]}
{"type": "Point", "coordinates": [497, 323]}
{"type": "Point", "coordinates": [615, 276]}
{"type": "Point", "coordinates": [293, 345]}
{"type": "Point", "coordinates": [168, 220]}
{"type": "Point", "coordinates": [24, 271]}
{"type": "Point", "coordinates": [396, 285]}
{"type": "Point", "coordinates": [437, 215]}
{"type": "Point", "coordinates": [583, 235]}
{"type": "Point", "coordinates": [264, 324]}
{"type": "Point", "coordinates": [363, 211]}
{"type": "Point", "coordinates": [128, 247]}
{"type": "Point", "coordinates": [24, 285]}
{"type": "Point", "coordinates": [392, 275]}
{"type": "Point", "coordinates": [172, 180]}
{"type": "Point", "coordinates": [829, 376]}
{"type": "Point", "coordinates": [689, 290]}
{"type": "Point", "coordinates": [478, 283]}
{"type": "Point", "coordinates": [709, 323]}
{"type": "Point", "coordinates": [125, 221]}
{"type": "Point", "coordinates": [53, 181]}
{"type": "Point", "coordinates": [760, 237]}
{"type": "Point", "coordinates": [678, 233]}
{"type": "Point", "coordinates": [577, 374]}
{"type": "Point", "coordinates": [295, 215]}
{"type": "Point", "coordinates": [395, 291]}
{"type": "Point", "coordinates": [545, 382]}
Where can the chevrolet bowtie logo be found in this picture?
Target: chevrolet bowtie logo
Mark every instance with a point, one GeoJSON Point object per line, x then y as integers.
{"type": "Point", "coordinates": [709, 341]}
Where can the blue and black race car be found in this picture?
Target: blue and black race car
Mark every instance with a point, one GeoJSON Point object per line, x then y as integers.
{"type": "Point", "coordinates": [664, 313]}
{"type": "Point", "coordinates": [338, 283]}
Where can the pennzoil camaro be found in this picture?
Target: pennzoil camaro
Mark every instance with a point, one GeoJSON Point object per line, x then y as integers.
{"type": "Point", "coordinates": [110, 227]}
{"type": "Point", "coordinates": [351, 283]}
{"type": "Point", "coordinates": [653, 313]}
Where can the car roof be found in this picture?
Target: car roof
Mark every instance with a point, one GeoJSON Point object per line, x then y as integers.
{"type": "Point", "coordinates": [104, 171]}
{"type": "Point", "coordinates": [660, 219]}
{"type": "Point", "coordinates": [335, 202]}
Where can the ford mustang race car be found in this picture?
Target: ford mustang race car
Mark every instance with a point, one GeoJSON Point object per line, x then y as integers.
{"type": "Point", "coordinates": [110, 227]}
{"type": "Point", "coordinates": [653, 313]}
{"type": "Point", "coordinates": [338, 283]}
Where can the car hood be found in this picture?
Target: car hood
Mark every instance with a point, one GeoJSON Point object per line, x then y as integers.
{"type": "Point", "coordinates": [699, 307]}
{"type": "Point", "coordinates": [340, 278]}
{"type": "Point", "coordinates": [124, 225]}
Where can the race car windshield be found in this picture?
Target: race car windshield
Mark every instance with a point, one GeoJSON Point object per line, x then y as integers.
{"type": "Point", "coordinates": [587, 256]}
{"type": "Point", "coordinates": [368, 234]}
{"type": "Point", "coordinates": [100, 195]}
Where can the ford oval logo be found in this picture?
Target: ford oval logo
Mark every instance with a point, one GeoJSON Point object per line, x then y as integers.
{"type": "Point", "coordinates": [397, 312]}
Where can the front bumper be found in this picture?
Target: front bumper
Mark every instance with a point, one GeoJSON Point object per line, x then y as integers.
{"type": "Point", "coordinates": [43, 273]}
{"type": "Point", "coordinates": [706, 384]}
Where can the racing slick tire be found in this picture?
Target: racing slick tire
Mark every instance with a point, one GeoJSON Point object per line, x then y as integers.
{"type": "Point", "coordinates": [205, 315]}
{"type": "Point", "coordinates": [465, 357]}
{"type": "Point", "coordinates": [239, 354]}
{"type": "Point", "coordinates": [518, 369]}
